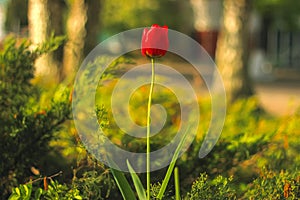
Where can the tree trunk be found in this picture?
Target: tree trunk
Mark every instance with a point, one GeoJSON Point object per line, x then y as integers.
{"type": "Point", "coordinates": [207, 16]}
{"type": "Point", "coordinates": [76, 32]}
{"type": "Point", "coordinates": [57, 9]}
{"type": "Point", "coordinates": [38, 20]}
{"type": "Point", "coordinates": [16, 19]}
{"type": "Point", "coordinates": [2, 20]}
{"type": "Point", "coordinates": [232, 49]}
{"type": "Point", "coordinates": [92, 25]}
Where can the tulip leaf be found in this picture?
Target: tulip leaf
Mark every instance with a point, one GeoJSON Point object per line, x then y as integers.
{"type": "Point", "coordinates": [172, 165]}
{"type": "Point", "coordinates": [137, 183]}
{"type": "Point", "coordinates": [122, 183]}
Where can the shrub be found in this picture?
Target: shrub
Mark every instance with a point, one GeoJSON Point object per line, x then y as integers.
{"type": "Point", "coordinates": [250, 140]}
{"type": "Point", "coordinates": [217, 188]}
{"type": "Point", "coordinates": [26, 127]}
{"type": "Point", "coordinates": [54, 190]}
{"type": "Point", "coordinates": [275, 185]}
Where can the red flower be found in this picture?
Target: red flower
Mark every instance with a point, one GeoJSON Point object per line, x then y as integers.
{"type": "Point", "coordinates": [155, 42]}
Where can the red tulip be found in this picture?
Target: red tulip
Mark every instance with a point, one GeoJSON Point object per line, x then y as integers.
{"type": "Point", "coordinates": [155, 42]}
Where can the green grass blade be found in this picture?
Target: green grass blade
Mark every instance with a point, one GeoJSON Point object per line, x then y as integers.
{"type": "Point", "coordinates": [171, 166]}
{"type": "Point", "coordinates": [122, 182]}
{"type": "Point", "coordinates": [177, 185]}
{"type": "Point", "coordinates": [137, 183]}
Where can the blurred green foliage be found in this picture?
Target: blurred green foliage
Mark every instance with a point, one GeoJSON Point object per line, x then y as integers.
{"type": "Point", "coordinates": [283, 14]}
{"type": "Point", "coordinates": [54, 190]}
{"type": "Point", "coordinates": [251, 142]}
{"type": "Point", "coordinates": [275, 185]}
{"type": "Point", "coordinates": [26, 126]}
{"type": "Point", "coordinates": [117, 16]}
{"type": "Point", "coordinates": [16, 15]}
{"type": "Point", "coordinates": [30, 118]}
{"type": "Point", "coordinates": [122, 15]}
{"type": "Point", "coordinates": [218, 188]}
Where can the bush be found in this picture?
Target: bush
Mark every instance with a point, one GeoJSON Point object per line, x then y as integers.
{"type": "Point", "coordinates": [26, 127]}
{"type": "Point", "coordinates": [250, 140]}
{"type": "Point", "coordinates": [54, 190]}
{"type": "Point", "coordinates": [275, 185]}
{"type": "Point", "coordinates": [218, 188]}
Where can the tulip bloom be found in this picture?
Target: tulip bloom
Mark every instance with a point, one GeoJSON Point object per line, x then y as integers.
{"type": "Point", "coordinates": [155, 42]}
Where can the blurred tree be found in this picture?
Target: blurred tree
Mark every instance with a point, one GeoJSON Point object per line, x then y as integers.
{"type": "Point", "coordinates": [79, 20]}
{"type": "Point", "coordinates": [207, 18]}
{"type": "Point", "coordinates": [82, 29]}
{"type": "Point", "coordinates": [2, 19]}
{"type": "Point", "coordinates": [232, 49]}
{"type": "Point", "coordinates": [16, 16]}
{"type": "Point", "coordinates": [92, 25]}
{"type": "Point", "coordinates": [57, 10]}
{"type": "Point", "coordinates": [282, 14]}
{"type": "Point", "coordinates": [122, 15]}
{"type": "Point", "coordinates": [39, 28]}
{"type": "Point", "coordinates": [75, 30]}
{"type": "Point", "coordinates": [279, 15]}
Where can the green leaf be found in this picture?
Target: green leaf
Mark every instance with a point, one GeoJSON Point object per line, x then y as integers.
{"type": "Point", "coordinates": [123, 185]}
{"type": "Point", "coordinates": [172, 165]}
{"type": "Point", "coordinates": [78, 197]}
{"type": "Point", "coordinates": [137, 183]}
{"type": "Point", "coordinates": [121, 182]}
{"type": "Point", "coordinates": [17, 190]}
{"type": "Point", "coordinates": [38, 193]}
{"type": "Point", "coordinates": [14, 196]}
{"type": "Point", "coordinates": [26, 189]}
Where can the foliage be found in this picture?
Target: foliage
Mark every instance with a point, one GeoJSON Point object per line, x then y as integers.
{"type": "Point", "coordinates": [137, 106]}
{"type": "Point", "coordinates": [283, 13]}
{"type": "Point", "coordinates": [275, 185]}
{"type": "Point", "coordinates": [217, 188]}
{"type": "Point", "coordinates": [153, 12]}
{"type": "Point", "coordinates": [94, 184]}
{"type": "Point", "coordinates": [249, 136]}
{"type": "Point", "coordinates": [16, 15]}
{"type": "Point", "coordinates": [90, 181]}
{"type": "Point", "coordinates": [54, 190]}
{"type": "Point", "coordinates": [250, 140]}
{"type": "Point", "coordinates": [26, 127]}
{"type": "Point", "coordinates": [246, 132]}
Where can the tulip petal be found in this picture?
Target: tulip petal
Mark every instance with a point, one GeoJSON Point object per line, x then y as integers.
{"type": "Point", "coordinates": [155, 42]}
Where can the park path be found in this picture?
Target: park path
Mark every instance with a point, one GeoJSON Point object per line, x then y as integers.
{"type": "Point", "coordinates": [279, 97]}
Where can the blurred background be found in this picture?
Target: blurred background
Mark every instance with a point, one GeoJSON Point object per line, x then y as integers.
{"type": "Point", "coordinates": [258, 41]}
{"type": "Point", "coordinates": [255, 44]}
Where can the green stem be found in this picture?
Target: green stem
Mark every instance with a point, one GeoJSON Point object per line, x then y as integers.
{"type": "Point", "coordinates": [177, 186]}
{"type": "Point", "coordinates": [148, 127]}
{"type": "Point", "coordinates": [172, 165]}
